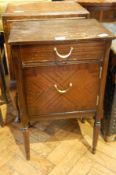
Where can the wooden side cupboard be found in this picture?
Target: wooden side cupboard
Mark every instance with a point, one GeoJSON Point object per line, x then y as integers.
{"type": "Point", "coordinates": [35, 11]}
{"type": "Point", "coordinates": [61, 71]}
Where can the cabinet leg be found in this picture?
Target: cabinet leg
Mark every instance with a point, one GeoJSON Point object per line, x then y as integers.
{"type": "Point", "coordinates": [96, 131]}
{"type": "Point", "coordinates": [82, 120]}
{"type": "Point", "coordinates": [18, 110]}
{"type": "Point", "coordinates": [26, 142]}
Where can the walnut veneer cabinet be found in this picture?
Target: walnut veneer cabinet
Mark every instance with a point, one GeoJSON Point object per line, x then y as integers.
{"type": "Point", "coordinates": [61, 71]}
{"type": "Point", "coordinates": [35, 11]}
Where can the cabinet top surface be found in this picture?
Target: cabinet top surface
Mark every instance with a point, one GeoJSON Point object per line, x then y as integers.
{"type": "Point", "coordinates": [44, 8]}
{"type": "Point", "coordinates": [57, 31]}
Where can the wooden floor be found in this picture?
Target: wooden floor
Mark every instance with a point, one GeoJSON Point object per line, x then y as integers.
{"type": "Point", "coordinates": [57, 148]}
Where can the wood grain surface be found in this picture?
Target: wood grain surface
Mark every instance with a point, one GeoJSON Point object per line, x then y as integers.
{"type": "Point", "coordinates": [81, 51]}
{"type": "Point", "coordinates": [43, 98]}
{"type": "Point", "coordinates": [87, 29]}
{"type": "Point", "coordinates": [43, 9]}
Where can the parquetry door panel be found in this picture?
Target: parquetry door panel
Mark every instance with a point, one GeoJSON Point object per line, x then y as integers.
{"type": "Point", "coordinates": [61, 88]}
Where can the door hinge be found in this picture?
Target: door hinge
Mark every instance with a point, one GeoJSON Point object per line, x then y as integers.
{"type": "Point", "coordinates": [97, 101]}
{"type": "Point", "coordinates": [100, 73]}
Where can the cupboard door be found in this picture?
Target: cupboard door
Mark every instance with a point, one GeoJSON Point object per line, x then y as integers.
{"type": "Point", "coordinates": [59, 89]}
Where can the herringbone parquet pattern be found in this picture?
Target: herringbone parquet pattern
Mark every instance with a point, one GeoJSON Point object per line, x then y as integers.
{"type": "Point", "coordinates": [43, 98]}
{"type": "Point", "coordinates": [57, 148]}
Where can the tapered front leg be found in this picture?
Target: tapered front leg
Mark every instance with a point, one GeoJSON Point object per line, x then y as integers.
{"type": "Point", "coordinates": [18, 118]}
{"type": "Point", "coordinates": [96, 131]}
{"type": "Point", "coordinates": [83, 120]}
{"type": "Point", "coordinates": [26, 142]}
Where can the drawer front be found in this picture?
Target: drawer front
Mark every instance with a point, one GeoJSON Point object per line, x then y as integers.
{"type": "Point", "coordinates": [59, 89]}
{"type": "Point", "coordinates": [79, 51]}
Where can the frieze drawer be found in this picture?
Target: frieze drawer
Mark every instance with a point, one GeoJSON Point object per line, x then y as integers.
{"type": "Point", "coordinates": [58, 52]}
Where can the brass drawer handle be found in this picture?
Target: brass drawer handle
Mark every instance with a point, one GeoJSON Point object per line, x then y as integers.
{"type": "Point", "coordinates": [63, 56]}
{"type": "Point", "coordinates": [63, 91]}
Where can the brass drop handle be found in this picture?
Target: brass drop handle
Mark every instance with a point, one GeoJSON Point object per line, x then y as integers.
{"type": "Point", "coordinates": [63, 56]}
{"type": "Point", "coordinates": [63, 91]}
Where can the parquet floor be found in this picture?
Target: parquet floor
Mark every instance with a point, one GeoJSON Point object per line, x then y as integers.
{"type": "Point", "coordinates": [57, 148]}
